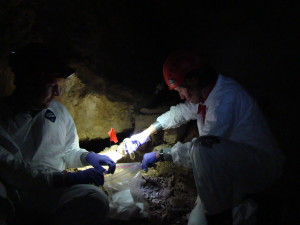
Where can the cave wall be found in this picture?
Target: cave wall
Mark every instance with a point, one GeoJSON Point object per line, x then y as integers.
{"type": "Point", "coordinates": [125, 45]}
{"type": "Point", "coordinates": [94, 114]}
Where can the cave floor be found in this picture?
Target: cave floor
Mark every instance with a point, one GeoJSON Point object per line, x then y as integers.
{"type": "Point", "coordinates": [170, 193]}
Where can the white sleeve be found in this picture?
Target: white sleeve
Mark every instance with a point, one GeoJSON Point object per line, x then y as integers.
{"type": "Point", "coordinates": [180, 154]}
{"type": "Point", "coordinates": [73, 152]}
{"type": "Point", "coordinates": [178, 115]}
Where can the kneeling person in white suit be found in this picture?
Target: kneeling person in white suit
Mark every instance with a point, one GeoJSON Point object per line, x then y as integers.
{"type": "Point", "coordinates": [235, 154]}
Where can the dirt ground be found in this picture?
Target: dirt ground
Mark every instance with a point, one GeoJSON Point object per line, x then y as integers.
{"type": "Point", "coordinates": [169, 192]}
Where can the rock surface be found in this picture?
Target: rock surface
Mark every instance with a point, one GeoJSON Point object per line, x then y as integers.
{"type": "Point", "coordinates": [94, 114]}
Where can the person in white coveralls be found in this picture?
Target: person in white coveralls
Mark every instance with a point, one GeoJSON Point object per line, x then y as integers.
{"type": "Point", "coordinates": [38, 141]}
{"type": "Point", "coordinates": [235, 154]}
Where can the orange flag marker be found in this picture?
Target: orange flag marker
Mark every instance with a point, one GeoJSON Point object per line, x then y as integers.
{"type": "Point", "coordinates": [112, 135]}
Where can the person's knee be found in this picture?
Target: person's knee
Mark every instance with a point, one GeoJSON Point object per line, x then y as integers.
{"type": "Point", "coordinates": [80, 203]}
{"type": "Point", "coordinates": [95, 197]}
{"type": "Point", "coordinates": [208, 148]}
{"type": "Point", "coordinates": [100, 200]}
{"type": "Point", "coordinates": [98, 204]}
{"type": "Point", "coordinates": [199, 152]}
{"type": "Point", "coordinates": [208, 159]}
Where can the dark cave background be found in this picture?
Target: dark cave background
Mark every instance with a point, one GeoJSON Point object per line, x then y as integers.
{"type": "Point", "coordinates": [126, 42]}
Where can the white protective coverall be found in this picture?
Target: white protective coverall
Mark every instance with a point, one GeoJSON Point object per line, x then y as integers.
{"type": "Point", "coordinates": [31, 149]}
{"type": "Point", "coordinates": [246, 161]}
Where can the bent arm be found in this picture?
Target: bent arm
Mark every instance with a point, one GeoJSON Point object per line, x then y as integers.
{"type": "Point", "coordinates": [178, 115]}
{"type": "Point", "coordinates": [16, 173]}
{"type": "Point", "coordinates": [175, 117]}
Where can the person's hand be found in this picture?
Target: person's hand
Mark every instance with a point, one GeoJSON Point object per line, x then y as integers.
{"type": "Point", "coordinates": [149, 160]}
{"type": "Point", "coordinates": [88, 176]}
{"type": "Point", "coordinates": [97, 160]}
{"type": "Point", "coordinates": [135, 141]}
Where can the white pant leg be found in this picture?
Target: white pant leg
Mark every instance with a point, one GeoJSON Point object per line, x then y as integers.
{"type": "Point", "coordinates": [82, 204]}
{"type": "Point", "coordinates": [227, 172]}
{"type": "Point", "coordinates": [197, 216]}
{"type": "Point", "coordinates": [76, 205]}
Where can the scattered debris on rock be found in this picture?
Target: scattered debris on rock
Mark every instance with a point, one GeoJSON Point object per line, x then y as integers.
{"type": "Point", "coordinates": [170, 192]}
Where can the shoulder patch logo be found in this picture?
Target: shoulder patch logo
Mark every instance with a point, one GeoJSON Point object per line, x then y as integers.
{"type": "Point", "coordinates": [50, 115]}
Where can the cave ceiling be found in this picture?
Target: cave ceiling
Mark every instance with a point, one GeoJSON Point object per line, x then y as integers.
{"type": "Point", "coordinates": [123, 42]}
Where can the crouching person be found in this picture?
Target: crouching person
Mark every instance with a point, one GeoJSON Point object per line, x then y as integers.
{"type": "Point", "coordinates": [234, 156]}
{"type": "Point", "coordinates": [38, 142]}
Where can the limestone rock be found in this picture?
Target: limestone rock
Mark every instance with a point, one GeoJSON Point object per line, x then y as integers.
{"type": "Point", "coordinates": [143, 121]}
{"type": "Point", "coordinates": [171, 136]}
{"type": "Point", "coordinates": [93, 113]}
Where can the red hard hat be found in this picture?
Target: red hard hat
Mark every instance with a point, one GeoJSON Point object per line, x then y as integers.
{"type": "Point", "coordinates": [178, 65]}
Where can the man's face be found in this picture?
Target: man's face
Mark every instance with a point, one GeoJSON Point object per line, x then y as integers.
{"type": "Point", "coordinates": [188, 94]}
{"type": "Point", "coordinates": [44, 93]}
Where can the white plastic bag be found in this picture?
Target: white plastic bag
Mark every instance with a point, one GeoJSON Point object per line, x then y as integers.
{"type": "Point", "coordinates": [125, 196]}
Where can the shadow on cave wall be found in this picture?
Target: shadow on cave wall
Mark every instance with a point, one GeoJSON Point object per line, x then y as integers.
{"type": "Point", "coordinates": [97, 144]}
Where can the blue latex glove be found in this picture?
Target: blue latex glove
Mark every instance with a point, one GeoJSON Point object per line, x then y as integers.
{"type": "Point", "coordinates": [89, 176]}
{"type": "Point", "coordinates": [149, 160]}
{"type": "Point", "coordinates": [97, 160]}
{"type": "Point", "coordinates": [135, 141]}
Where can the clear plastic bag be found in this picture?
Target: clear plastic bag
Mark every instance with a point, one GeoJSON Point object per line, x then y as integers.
{"type": "Point", "coordinates": [125, 195]}
{"type": "Point", "coordinates": [180, 154]}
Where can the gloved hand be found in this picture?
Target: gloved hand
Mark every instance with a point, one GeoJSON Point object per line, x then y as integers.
{"type": "Point", "coordinates": [149, 160]}
{"type": "Point", "coordinates": [88, 176]}
{"type": "Point", "coordinates": [135, 141]}
{"type": "Point", "coordinates": [97, 160]}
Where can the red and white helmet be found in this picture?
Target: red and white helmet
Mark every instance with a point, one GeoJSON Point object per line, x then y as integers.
{"type": "Point", "coordinates": [178, 65]}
